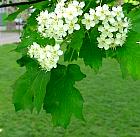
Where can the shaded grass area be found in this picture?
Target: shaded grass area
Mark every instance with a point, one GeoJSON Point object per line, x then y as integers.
{"type": "Point", "coordinates": [111, 108]}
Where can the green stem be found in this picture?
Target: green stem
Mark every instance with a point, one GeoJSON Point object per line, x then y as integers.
{"type": "Point", "coordinates": [87, 6]}
{"type": "Point", "coordinates": [101, 2]}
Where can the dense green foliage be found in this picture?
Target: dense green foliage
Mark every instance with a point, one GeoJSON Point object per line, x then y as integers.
{"type": "Point", "coordinates": [55, 90]}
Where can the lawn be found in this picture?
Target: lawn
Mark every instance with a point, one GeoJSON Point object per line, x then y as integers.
{"type": "Point", "coordinates": [111, 108]}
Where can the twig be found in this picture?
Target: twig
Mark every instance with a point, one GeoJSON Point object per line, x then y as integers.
{"type": "Point", "coordinates": [20, 3]}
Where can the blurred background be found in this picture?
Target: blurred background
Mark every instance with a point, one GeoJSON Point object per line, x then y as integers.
{"type": "Point", "coordinates": [10, 30]}
{"type": "Point", "coordinates": [111, 108]}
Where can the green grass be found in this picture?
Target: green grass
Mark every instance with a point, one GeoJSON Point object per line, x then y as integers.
{"type": "Point", "coordinates": [111, 108]}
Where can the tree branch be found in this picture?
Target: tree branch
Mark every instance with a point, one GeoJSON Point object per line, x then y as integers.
{"type": "Point", "coordinates": [20, 3]}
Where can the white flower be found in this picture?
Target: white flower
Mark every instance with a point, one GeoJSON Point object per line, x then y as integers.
{"type": "Point", "coordinates": [101, 28]}
{"type": "Point", "coordinates": [108, 41]}
{"type": "Point", "coordinates": [102, 12]}
{"type": "Point", "coordinates": [59, 9]}
{"type": "Point", "coordinates": [118, 35]}
{"type": "Point", "coordinates": [70, 13]}
{"type": "Point", "coordinates": [93, 16]}
{"type": "Point", "coordinates": [105, 7]}
{"type": "Point", "coordinates": [88, 21]}
{"type": "Point", "coordinates": [57, 48]}
{"type": "Point", "coordinates": [43, 17]}
{"type": "Point", "coordinates": [119, 25]}
{"type": "Point", "coordinates": [114, 26]}
{"type": "Point", "coordinates": [111, 20]}
{"type": "Point", "coordinates": [72, 25]}
{"type": "Point", "coordinates": [118, 41]}
{"type": "Point", "coordinates": [82, 5]}
{"type": "Point", "coordinates": [47, 56]}
{"type": "Point", "coordinates": [117, 9]}
{"type": "Point", "coordinates": [105, 31]}
{"type": "Point", "coordinates": [102, 43]}
{"type": "Point", "coordinates": [120, 38]}
{"type": "Point", "coordinates": [117, 12]}
{"type": "Point", "coordinates": [78, 6]}
{"type": "Point", "coordinates": [33, 50]}
{"type": "Point", "coordinates": [92, 12]}
{"type": "Point", "coordinates": [62, 21]}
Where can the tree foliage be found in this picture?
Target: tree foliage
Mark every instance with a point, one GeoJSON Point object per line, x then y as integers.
{"type": "Point", "coordinates": [54, 91]}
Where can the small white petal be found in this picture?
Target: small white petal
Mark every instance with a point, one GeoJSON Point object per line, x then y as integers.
{"type": "Point", "coordinates": [77, 27]}
{"type": "Point", "coordinates": [60, 52]}
{"type": "Point", "coordinates": [57, 47]}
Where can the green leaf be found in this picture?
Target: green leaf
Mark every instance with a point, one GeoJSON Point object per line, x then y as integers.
{"type": "Point", "coordinates": [129, 56]}
{"type": "Point", "coordinates": [38, 87]}
{"type": "Point", "coordinates": [77, 39]}
{"type": "Point", "coordinates": [42, 5]}
{"type": "Point", "coordinates": [70, 54]}
{"type": "Point", "coordinates": [29, 33]}
{"type": "Point", "coordinates": [74, 46]}
{"type": "Point", "coordinates": [90, 53]}
{"type": "Point", "coordinates": [107, 1]}
{"type": "Point", "coordinates": [30, 88]}
{"type": "Point", "coordinates": [24, 60]}
{"type": "Point", "coordinates": [127, 7]}
{"type": "Point", "coordinates": [62, 98]}
{"type": "Point", "coordinates": [134, 16]}
{"type": "Point", "coordinates": [13, 16]}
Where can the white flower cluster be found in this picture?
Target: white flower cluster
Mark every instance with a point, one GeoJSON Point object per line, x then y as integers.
{"type": "Point", "coordinates": [113, 28]}
{"type": "Point", "coordinates": [47, 56]}
{"type": "Point", "coordinates": [114, 25]}
{"type": "Point", "coordinates": [63, 21]}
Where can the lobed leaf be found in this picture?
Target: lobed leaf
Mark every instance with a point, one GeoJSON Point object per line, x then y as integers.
{"type": "Point", "coordinates": [62, 98]}
{"type": "Point", "coordinates": [30, 88]}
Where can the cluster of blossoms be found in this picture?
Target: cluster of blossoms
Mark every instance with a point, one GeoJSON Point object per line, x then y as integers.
{"type": "Point", "coordinates": [114, 25]}
{"type": "Point", "coordinates": [47, 56]}
{"type": "Point", "coordinates": [63, 21]}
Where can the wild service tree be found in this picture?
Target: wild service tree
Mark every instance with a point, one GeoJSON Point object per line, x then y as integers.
{"type": "Point", "coordinates": [60, 32]}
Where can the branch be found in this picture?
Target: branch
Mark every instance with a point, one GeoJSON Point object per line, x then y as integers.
{"type": "Point", "coordinates": [20, 3]}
